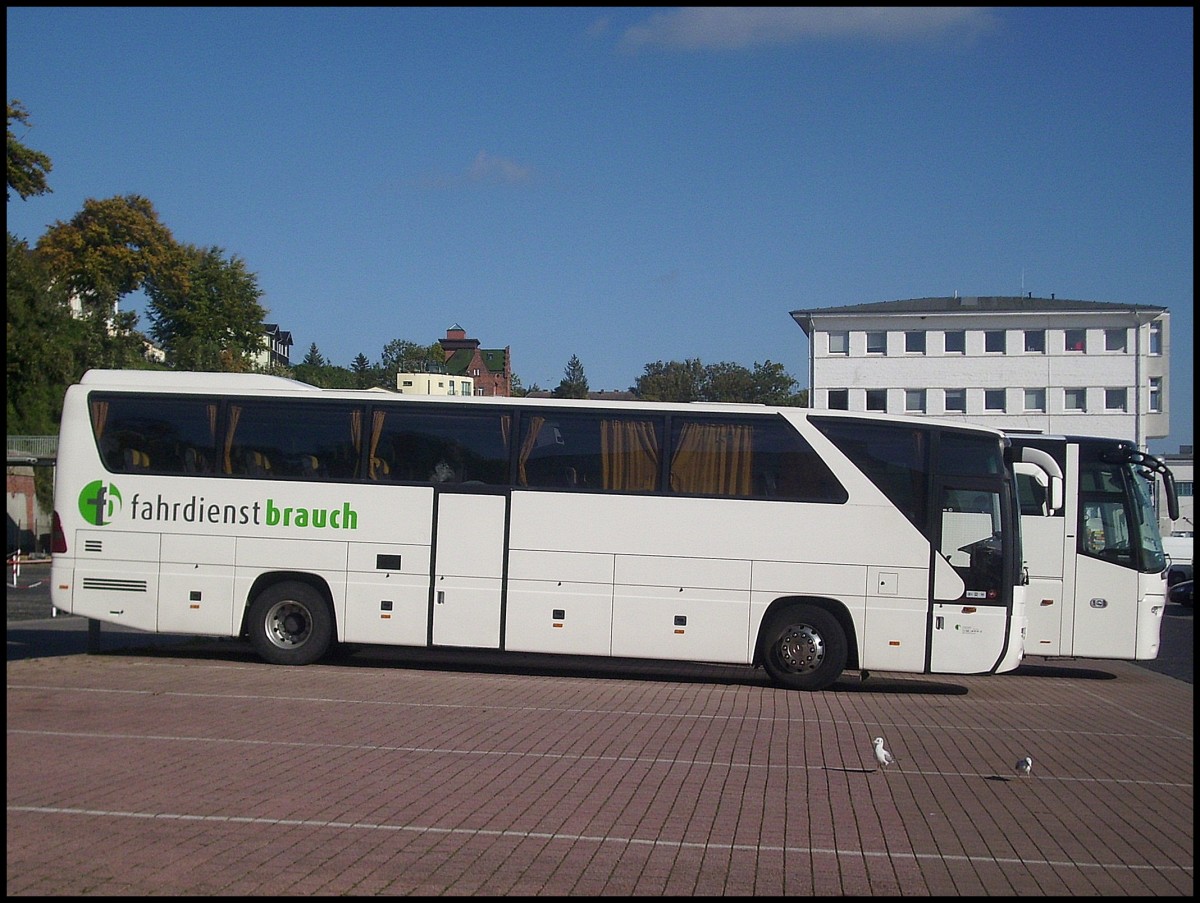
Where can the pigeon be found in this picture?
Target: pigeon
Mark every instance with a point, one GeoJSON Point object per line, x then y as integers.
{"type": "Point", "coordinates": [882, 756]}
{"type": "Point", "coordinates": [1025, 766]}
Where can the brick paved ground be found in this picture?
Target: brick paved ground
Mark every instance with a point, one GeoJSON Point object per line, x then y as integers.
{"type": "Point", "coordinates": [195, 769]}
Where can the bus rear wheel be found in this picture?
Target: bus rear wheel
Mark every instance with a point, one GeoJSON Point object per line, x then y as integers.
{"type": "Point", "coordinates": [805, 648]}
{"type": "Point", "coordinates": [290, 624]}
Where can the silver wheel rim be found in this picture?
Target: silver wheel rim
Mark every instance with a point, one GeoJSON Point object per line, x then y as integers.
{"type": "Point", "coordinates": [288, 625]}
{"type": "Point", "coordinates": [801, 649]}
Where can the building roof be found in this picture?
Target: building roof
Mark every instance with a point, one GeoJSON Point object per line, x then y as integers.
{"type": "Point", "coordinates": [971, 304]}
{"type": "Point", "coordinates": [460, 360]}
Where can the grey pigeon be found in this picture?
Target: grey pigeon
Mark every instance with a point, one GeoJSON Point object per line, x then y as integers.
{"type": "Point", "coordinates": [1025, 766]}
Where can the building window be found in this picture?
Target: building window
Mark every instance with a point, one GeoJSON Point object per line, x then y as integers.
{"type": "Point", "coordinates": [956, 401]}
{"type": "Point", "coordinates": [838, 399]}
{"type": "Point", "coordinates": [1156, 395]}
{"type": "Point", "coordinates": [1035, 341]}
{"type": "Point", "coordinates": [876, 399]}
{"type": "Point", "coordinates": [993, 341]}
{"type": "Point", "coordinates": [1075, 400]}
{"type": "Point", "coordinates": [1156, 338]}
{"type": "Point", "coordinates": [914, 342]}
{"type": "Point", "coordinates": [1116, 399]}
{"type": "Point", "coordinates": [1183, 488]}
{"type": "Point", "coordinates": [839, 343]}
{"type": "Point", "coordinates": [993, 400]}
{"type": "Point", "coordinates": [956, 342]}
{"type": "Point", "coordinates": [1076, 340]}
{"type": "Point", "coordinates": [876, 343]}
{"type": "Point", "coordinates": [914, 401]}
{"type": "Point", "coordinates": [1035, 400]}
{"type": "Point", "coordinates": [1114, 340]}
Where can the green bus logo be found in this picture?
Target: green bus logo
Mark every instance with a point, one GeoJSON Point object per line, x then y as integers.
{"type": "Point", "coordinates": [99, 502]}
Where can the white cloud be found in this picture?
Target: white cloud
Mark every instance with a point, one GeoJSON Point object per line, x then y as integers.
{"type": "Point", "coordinates": [487, 168]}
{"type": "Point", "coordinates": [726, 28]}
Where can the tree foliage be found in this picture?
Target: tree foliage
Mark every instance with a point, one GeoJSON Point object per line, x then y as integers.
{"type": "Point", "coordinates": [365, 374]}
{"type": "Point", "coordinates": [204, 310]}
{"type": "Point", "coordinates": [109, 249]}
{"type": "Point", "coordinates": [403, 356]}
{"type": "Point", "coordinates": [574, 383]}
{"type": "Point", "coordinates": [27, 168]}
{"type": "Point", "coordinates": [691, 380]}
{"type": "Point", "coordinates": [314, 358]}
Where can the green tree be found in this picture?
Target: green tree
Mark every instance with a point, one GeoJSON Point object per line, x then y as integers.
{"type": "Point", "coordinates": [27, 168]}
{"type": "Point", "coordinates": [44, 344]}
{"type": "Point", "coordinates": [365, 375]}
{"type": "Point", "coordinates": [109, 249]}
{"type": "Point", "coordinates": [314, 357]}
{"type": "Point", "coordinates": [692, 380]}
{"type": "Point", "coordinates": [771, 384]}
{"type": "Point", "coordinates": [206, 313]}
{"type": "Point", "coordinates": [671, 381]}
{"type": "Point", "coordinates": [403, 356]}
{"type": "Point", "coordinates": [574, 383]}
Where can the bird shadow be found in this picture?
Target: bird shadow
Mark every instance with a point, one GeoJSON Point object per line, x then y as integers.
{"type": "Point", "coordinates": [997, 777]}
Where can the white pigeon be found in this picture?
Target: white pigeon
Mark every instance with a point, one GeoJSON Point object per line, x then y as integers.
{"type": "Point", "coordinates": [882, 756]}
{"type": "Point", "coordinates": [1025, 766]}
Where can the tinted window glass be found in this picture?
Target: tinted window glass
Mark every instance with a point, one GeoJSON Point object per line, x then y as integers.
{"type": "Point", "coordinates": [758, 457]}
{"type": "Point", "coordinates": [894, 456]}
{"type": "Point", "coordinates": [270, 439]}
{"type": "Point", "coordinates": [160, 434]}
{"type": "Point", "coordinates": [597, 452]}
{"type": "Point", "coordinates": [440, 445]}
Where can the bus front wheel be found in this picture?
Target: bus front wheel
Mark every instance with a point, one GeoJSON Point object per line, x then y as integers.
{"type": "Point", "coordinates": [290, 624]}
{"type": "Point", "coordinates": [805, 648]}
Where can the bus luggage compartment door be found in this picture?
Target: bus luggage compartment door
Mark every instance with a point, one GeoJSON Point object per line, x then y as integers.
{"type": "Point", "coordinates": [468, 569]}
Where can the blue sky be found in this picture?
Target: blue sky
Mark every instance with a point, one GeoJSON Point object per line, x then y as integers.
{"type": "Point", "coordinates": [631, 185]}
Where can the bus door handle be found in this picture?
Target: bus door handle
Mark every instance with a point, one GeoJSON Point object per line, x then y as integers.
{"type": "Point", "coordinates": [939, 622]}
{"type": "Point", "coordinates": [441, 597]}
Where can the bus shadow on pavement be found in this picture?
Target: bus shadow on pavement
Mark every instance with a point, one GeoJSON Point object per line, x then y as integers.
{"type": "Point", "coordinates": [33, 641]}
{"type": "Point", "coordinates": [1050, 669]}
{"type": "Point", "coordinates": [28, 639]}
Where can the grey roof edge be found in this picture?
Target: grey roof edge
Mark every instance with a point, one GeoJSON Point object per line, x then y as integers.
{"type": "Point", "coordinates": [989, 303]}
{"type": "Point", "coordinates": [971, 304]}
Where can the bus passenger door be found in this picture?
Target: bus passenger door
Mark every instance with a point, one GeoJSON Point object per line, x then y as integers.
{"type": "Point", "coordinates": [1106, 583]}
{"type": "Point", "coordinates": [468, 568]}
{"type": "Point", "coordinates": [969, 615]}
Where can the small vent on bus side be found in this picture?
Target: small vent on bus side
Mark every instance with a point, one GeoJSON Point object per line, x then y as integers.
{"type": "Point", "coordinates": [93, 545]}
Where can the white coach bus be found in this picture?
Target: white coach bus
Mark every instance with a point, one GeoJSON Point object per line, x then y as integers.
{"type": "Point", "coordinates": [1092, 546]}
{"type": "Point", "coordinates": [803, 542]}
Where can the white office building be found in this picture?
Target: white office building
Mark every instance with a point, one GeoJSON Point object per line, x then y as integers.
{"type": "Point", "coordinates": [1015, 363]}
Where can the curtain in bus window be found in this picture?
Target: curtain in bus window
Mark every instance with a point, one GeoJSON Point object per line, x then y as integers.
{"type": "Point", "coordinates": [629, 455]}
{"type": "Point", "coordinates": [534, 427]}
{"type": "Point", "coordinates": [356, 434]}
{"type": "Point", "coordinates": [109, 453]}
{"type": "Point", "coordinates": [713, 459]}
{"type": "Point", "coordinates": [378, 466]}
{"type": "Point", "coordinates": [235, 414]}
{"type": "Point", "coordinates": [99, 418]}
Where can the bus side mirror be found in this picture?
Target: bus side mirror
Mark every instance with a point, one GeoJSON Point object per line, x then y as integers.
{"type": "Point", "coordinates": [1051, 477]}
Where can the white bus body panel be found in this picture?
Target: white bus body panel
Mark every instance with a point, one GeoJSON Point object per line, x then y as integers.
{"type": "Point", "coordinates": [468, 570]}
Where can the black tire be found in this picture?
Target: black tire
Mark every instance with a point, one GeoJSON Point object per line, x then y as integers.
{"type": "Point", "coordinates": [804, 648]}
{"type": "Point", "coordinates": [290, 624]}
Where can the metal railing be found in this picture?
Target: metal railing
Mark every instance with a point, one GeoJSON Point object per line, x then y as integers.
{"type": "Point", "coordinates": [40, 448]}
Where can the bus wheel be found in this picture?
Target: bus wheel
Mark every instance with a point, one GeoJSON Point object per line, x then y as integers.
{"type": "Point", "coordinates": [290, 624]}
{"type": "Point", "coordinates": [805, 648]}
